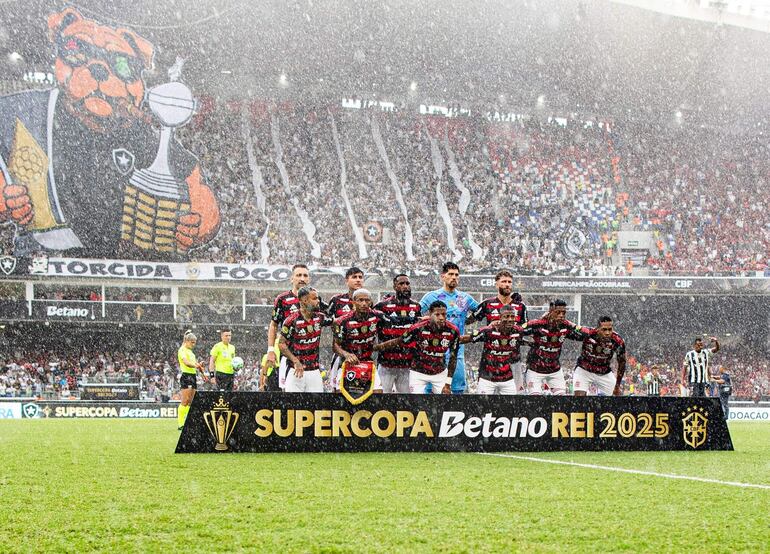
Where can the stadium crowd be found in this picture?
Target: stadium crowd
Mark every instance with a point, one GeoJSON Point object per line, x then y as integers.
{"type": "Point", "coordinates": [538, 196]}
{"type": "Point", "coordinates": [49, 375]}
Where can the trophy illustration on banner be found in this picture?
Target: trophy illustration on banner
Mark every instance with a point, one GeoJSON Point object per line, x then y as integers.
{"type": "Point", "coordinates": [221, 422]}
{"type": "Point", "coordinates": [154, 198]}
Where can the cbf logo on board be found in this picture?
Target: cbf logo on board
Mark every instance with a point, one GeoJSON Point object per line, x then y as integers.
{"type": "Point", "coordinates": [695, 426]}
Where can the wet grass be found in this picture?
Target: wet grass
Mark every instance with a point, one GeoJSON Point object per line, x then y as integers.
{"type": "Point", "coordinates": [117, 486]}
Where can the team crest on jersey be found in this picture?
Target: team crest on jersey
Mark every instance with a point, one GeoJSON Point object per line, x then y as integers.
{"type": "Point", "coordinates": [444, 342]}
{"type": "Point", "coordinates": [354, 332]}
{"type": "Point", "coordinates": [317, 326]}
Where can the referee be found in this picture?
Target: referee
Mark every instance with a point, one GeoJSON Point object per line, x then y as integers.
{"type": "Point", "coordinates": [221, 359]}
{"type": "Point", "coordinates": [695, 369]}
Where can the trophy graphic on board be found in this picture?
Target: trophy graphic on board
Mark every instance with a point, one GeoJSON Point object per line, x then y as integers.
{"type": "Point", "coordinates": [221, 422]}
{"type": "Point", "coordinates": [154, 198]}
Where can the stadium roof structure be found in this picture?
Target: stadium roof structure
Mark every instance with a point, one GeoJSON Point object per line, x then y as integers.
{"type": "Point", "coordinates": [619, 59]}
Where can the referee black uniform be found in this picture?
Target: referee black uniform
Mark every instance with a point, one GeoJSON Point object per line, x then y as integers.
{"type": "Point", "coordinates": [696, 367]}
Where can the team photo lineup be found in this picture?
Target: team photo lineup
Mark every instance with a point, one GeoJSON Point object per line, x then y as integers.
{"type": "Point", "coordinates": [420, 345]}
{"type": "Point", "coordinates": [385, 276]}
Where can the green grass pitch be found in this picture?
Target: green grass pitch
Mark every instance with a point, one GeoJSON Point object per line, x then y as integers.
{"type": "Point", "coordinates": [117, 486]}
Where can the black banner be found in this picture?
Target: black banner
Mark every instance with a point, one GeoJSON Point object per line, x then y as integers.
{"type": "Point", "coordinates": [282, 422]}
{"type": "Point", "coordinates": [107, 391]}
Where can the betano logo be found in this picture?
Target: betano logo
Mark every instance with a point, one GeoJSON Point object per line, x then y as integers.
{"type": "Point", "coordinates": [387, 424]}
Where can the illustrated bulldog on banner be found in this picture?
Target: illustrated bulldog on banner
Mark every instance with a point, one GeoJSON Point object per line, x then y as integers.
{"type": "Point", "coordinates": [81, 168]}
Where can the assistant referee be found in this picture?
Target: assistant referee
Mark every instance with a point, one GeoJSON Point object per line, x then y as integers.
{"type": "Point", "coordinates": [188, 383]}
{"type": "Point", "coordinates": [221, 360]}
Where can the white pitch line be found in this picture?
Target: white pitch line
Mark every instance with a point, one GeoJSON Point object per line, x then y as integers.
{"type": "Point", "coordinates": [625, 470]}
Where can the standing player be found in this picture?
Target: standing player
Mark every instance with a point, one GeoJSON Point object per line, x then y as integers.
{"type": "Point", "coordinates": [544, 370]}
{"type": "Point", "coordinates": [695, 369]}
{"type": "Point", "coordinates": [221, 359]}
{"type": "Point", "coordinates": [355, 334]}
{"type": "Point", "coordinates": [342, 304]}
{"type": "Point", "coordinates": [189, 367]}
{"type": "Point", "coordinates": [285, 304]}
{"type": "Point", "coordinates": [300, 343]}
{"type": "Point", "coordinates": [393, 364]}
{"type": "Point", "coordinates": [500, 354]}
{"type": "Point", "coordinates": [433, 340]}
{"type": "Point", "coordinates": [459, 306]}
{"type": "Point", "coordinates": [489, 309]}
{"type": "Point", "coordinates": [653, 381]}
{"type": "Point", "coordinates": [593, 364]}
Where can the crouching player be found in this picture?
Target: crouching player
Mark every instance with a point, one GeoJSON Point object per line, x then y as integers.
{"type": "Point", "coordinates": [431, 339]}
{"type": "Point", "coordinates": [593, 364]}
{"type": "Point", "coordinates": [500, 358]}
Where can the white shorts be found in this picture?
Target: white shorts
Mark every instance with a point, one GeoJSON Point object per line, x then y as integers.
{"type": "Point", "coordinates": [309, 382]}
{"type": "Point", "coordinates": [393, 378]}
{"type": "Point", "coordinates": [282, 373]}
{"type": "Point", "coordinates": [583, 380]}
{"type": "Point", "coordinates": [418, 381]}
{"type": "Point", "coordinates": [497, 387]}
{"type": "Point", "coordinates": [518, 377]}
{"type": "Point", "coordinates": [546, 383]}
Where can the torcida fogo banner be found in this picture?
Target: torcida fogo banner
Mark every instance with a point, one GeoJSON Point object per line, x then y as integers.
{"type": "Point", "coordinates": [285, 422]}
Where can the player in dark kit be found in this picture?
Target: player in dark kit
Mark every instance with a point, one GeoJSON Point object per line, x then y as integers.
{"type": "Point", "coordinates": [431, 339]}
{"type": "Point", "coordinates": [285, 304]}
{"type": "Point", "coordinates": [544, 372]}
{"type": "Point", "coordinates": [489, 309]}
{"type": "Point", "coordinates": [341, 304]}
{"type": "Point", "coordinates": [300, 343]}
{"type": "Point", "coordinates": [355, 334]}
{"type": "Point", "coordinates": [593, 365]}
{"type": "Point", "coordinates": [500, 354]}
{"type": "Point", "coordinates": [393, 364]}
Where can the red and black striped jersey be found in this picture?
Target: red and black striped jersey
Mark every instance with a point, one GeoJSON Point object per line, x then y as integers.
{"type": "Point", "coordinates": [303, 337]}
{"type": "Point", "coordinates": [339, 305]}
{"type": "Point", "coordinates": [402, 316]}
{"type": "Point", "coordinates": [429, 345]}
{"type": "Point", "coordinates": [596, 355]}
{"type": "Point", "coordinates": [489, 309]}
{"type": "Point", "coordinates": [285, 304]}
{"type": "Point", "coordinates": [500, 351]}
{"type": "Point", "coordinates": [357, 334]}
{"type": "Point", "coordinates": [543, 355]}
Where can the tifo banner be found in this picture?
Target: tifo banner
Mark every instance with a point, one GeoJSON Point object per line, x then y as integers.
{"type": "Point", "coordinates": [333, 276]}
{"type": "Point", "coordinates": [107, 391]}
{"type": "Point", "coordinates": [280, 422]}
{"type": "Point", "coordinates": [98, 410]}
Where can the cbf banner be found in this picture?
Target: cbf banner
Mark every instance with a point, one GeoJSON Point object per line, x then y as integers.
{"type": "Point", "coordinates": [281, 422]}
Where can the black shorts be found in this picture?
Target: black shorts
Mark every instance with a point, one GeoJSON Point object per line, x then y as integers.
{"type": "Point", "coordinates": [271, 383]}
{"type": "Point", "coordinates": [188, 381]}
{"type": "Point", "coordinates": [225, 381]}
